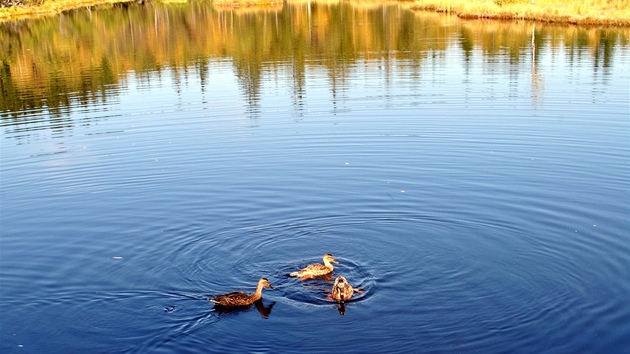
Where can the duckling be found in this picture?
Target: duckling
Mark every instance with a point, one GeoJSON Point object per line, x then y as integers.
{"type": "Point", "coordinates": [342, 290]}
{"type": "Point", "coordinates": [241, 298]}
{"type": "Point", "coordinates": [317, 270]}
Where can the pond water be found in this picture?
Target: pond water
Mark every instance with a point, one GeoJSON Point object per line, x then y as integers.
{"type": "Point", "coordinates": [472, 177]}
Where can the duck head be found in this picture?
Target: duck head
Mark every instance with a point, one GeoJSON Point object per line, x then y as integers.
{"type": "Point", "coordinates": [341, 283]}
{"type": "Point", "coordinates": [264, 282]}
{"type": "Point", "coordinates": [329, 257]}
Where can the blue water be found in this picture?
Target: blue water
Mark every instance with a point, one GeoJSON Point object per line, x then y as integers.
{"type": "Point", "coordinates": [480, 208]}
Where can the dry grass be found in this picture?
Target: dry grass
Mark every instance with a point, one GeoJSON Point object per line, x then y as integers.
{"type": "Point", "coordinates": [49, 7]}
{"type": "Point", "coordinates": [247, 3]}
{"type": "Point", "coordinates": [586, 12]}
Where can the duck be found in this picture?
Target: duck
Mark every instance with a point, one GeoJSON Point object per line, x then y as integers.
{"type": "Point", "coordinates": [342, 290]}
{"type": "Point", "coordinates": [317, 269]}
{"type": "Point", "coordinates": [241, 298]}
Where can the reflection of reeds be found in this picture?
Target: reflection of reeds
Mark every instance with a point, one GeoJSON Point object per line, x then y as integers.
{"type": "Point", "coordinates": [247, 3]}
{"type": "Point", "coordinates": [370, 4]}
{"type": "Point", "coordinates": [86, 52]}
{"type": "Point", "coordinates": [250, 9]}
{"type": "Point", "coordinates": [314, 1]}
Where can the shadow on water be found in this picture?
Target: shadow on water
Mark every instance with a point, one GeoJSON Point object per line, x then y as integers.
{"type": "Point", "coordinates": [341, 307]}
{"type": "Point", "coordinates": [264, 311]}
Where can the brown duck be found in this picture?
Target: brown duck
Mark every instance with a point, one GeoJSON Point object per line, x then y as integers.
{"type": "Point", "coordinates": [241, 298]}
{"type": "Point", "coordinates": [342, 290]}
{"type": "Point", "coordinates": [317, 269]}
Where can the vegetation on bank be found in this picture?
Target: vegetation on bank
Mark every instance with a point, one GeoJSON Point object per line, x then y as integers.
{"type": "Point", "coordinates": [10, 9]}
{"type": "Point", "coordinates": [239, 3]}
{"type": "Point", "coordinates": [584, 12]}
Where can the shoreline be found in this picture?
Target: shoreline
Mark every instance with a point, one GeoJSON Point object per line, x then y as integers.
{"type": "Point", "coordinates": [49, 8]}
{"type": "Point", "coordinates": [571, 12]}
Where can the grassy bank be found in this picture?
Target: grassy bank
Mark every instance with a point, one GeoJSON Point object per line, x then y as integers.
{"type": "Point", "coordinates": [11, 9]}
{"type": "Point", "coordinates": [583, 12]}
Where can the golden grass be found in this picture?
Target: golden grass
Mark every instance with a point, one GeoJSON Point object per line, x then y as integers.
{"type": "Point", "coordinates": [247, 3]}
{"type": "Point", "coordinates": [49, 7]}
{"type": "Point", "coordinates": [586, 12]}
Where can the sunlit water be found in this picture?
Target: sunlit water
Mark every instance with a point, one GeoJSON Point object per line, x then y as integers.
{"type": "Point", "coordinates": [478, 196]}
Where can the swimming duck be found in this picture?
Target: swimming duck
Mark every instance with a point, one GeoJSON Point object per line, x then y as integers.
{"type": "Point", "coordinates": [317, 270]}
{"type": "Point", "coordinates": [241, 298]}
{"type": "Point", "coordinates": [342, 290]}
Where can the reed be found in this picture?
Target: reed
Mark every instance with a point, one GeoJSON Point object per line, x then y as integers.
{"type": "Point", "coordinates": [586, 12]}
{"type": "Point", "coordinates": [24, 8]}
{"type": "Point", "coordinates": [247, 3]}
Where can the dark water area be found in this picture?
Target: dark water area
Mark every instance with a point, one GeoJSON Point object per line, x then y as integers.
{"type": "Point", "coordinates": [471, 177]}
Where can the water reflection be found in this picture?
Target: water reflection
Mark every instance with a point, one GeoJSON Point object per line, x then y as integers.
{"type": "Point", "coordinates": [89, 55]}
{"type": "Point", "coordinates": [341, 307]}
{"type": "Point", "coordinates": [265, 311]}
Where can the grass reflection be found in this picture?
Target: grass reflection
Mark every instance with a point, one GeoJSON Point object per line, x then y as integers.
{"type": "Point", "coordinates": [50, 64]}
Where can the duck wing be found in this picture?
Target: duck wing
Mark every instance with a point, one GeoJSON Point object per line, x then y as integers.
{"type": "Point", "coordinates": [316, 268]}
{"type": "Point", "coordinates": [234, 298]}
{"type": "Point", "coordinates": [313, 269]}
{"type": "Point", "coordinates": [342, 293]}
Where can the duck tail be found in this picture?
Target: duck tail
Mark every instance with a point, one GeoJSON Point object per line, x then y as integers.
{"type": "Point", "coordinates": [294, 274]}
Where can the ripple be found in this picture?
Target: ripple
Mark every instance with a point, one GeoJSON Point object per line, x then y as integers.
{"type": "Point", "coordinates": [275, 250]}
{"type": "Point", "coordinates": [475, 216]}
{"type": "Point", "coordinates": [261, 251]}
{"type": "Point", "coordinates": [314, 291]}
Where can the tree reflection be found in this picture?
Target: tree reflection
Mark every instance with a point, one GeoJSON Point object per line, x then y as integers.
{"type": "Point", "coordinates": [82, 58]}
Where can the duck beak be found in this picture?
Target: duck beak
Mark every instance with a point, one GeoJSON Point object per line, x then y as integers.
{"type": "Point", "coordinates": [335, 261]}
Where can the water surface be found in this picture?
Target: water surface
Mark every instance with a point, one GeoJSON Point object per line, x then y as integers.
{"type": "Point", "coordinates": [470, 176]}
